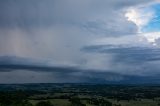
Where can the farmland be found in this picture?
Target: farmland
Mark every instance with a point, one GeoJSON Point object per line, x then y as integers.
{"type": "Point", "coordinates": [79, 95]}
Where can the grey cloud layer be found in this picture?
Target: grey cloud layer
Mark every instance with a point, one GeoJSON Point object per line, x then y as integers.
{"type": "Point", "coordinates": [94, 16]}
{"type": "Point", "coordinates": [135, 60]}
{"type": "Point", "coordinates": [56, 31]}
{"type": "Point", "coordinates": [127, 54]}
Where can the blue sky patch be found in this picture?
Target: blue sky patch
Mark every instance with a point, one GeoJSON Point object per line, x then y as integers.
{"type": "Point", "coordinates": [154, 24]}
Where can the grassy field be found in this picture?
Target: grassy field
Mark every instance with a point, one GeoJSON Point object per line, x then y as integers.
{"type": "Point", "coordinates": [143, 102]}
{"type": "Point", "coordinates": [55, 102]}
{"type": "Point", "coordinates": [66, 102]}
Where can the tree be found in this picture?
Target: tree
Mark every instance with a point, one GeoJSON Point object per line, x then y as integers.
{"type": "Point", "coordinates": [76, 102]}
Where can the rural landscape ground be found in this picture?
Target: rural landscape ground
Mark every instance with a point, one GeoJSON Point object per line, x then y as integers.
{"type": "Point", "coordinates": [79, 95]}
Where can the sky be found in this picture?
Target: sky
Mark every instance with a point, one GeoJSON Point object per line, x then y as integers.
{"type": "Point", "coordinates": [80, 41]}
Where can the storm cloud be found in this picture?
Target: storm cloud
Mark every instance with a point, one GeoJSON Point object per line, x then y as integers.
{"type": "Point", "coordinates": [74, 41]}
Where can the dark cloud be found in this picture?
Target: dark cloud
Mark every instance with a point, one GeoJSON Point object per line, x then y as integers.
{"type": "Point", "coordinates": [41, 41]}
{"type": "Point", "coordinates": [127, 54]}
{"type": "Point", "coordinates": [17, 63]}
{"type": "Point", "coordinates": [135, 60]}
{"type": "Point", "coordinates": [13, 69]}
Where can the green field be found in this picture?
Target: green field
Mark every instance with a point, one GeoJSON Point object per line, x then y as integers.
{"type": "Point", "coordinates": [66, 102]}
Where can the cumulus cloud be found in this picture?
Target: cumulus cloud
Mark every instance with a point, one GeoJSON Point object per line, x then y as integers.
{"type": "Point", "coordinates": [140, 17]}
